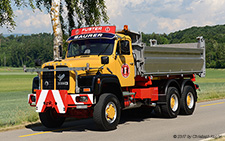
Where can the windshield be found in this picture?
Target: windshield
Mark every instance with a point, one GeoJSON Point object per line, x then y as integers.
{"type": "Point", "coordinates": [91, 47]}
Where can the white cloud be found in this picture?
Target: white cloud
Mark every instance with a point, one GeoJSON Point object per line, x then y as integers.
{"type": "Point", "coordinates": [165, 16]}
{"type": "Point", "coordinates": [170, 24]}
{"type": "Point", "coordinates": [37, 20]}
{"type": "Point", "coordinates": [29, 22]}
{"type": "Point", "coordinates": [148, 16]}
{"type": "Point", "coordinates": [33, 21]}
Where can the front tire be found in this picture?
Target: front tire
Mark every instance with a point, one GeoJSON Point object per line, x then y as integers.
{"type": "Point", "coordinates": [172, 106]}
{"type": "Point", "coordinates": [107, 112]}
{"type": "Point", "coordinates": [51, 119]}
{"type": "Point", "coordinates": [188, 100]}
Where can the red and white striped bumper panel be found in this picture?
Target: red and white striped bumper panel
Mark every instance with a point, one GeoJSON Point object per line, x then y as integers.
{"type": "Point", "coordinates": [58, 99]}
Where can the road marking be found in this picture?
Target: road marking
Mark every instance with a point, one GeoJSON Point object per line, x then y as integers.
{"type": "Point", "coordinates": [212, 104]}
{"type": "Point", "coordinates": [39, 133]}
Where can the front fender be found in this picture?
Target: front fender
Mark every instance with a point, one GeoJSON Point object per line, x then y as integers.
{"type": "Point", "coordinates": [105, 79]}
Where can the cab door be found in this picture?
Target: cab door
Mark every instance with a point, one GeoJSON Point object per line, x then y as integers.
{"type": "Point", "coordinates": [124, 63]}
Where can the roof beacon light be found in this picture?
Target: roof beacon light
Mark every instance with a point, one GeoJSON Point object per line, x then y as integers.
{"type": "Point", "coordinates": [125, 27]}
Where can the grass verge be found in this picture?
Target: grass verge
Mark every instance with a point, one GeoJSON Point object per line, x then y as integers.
{"type": "Point", "coordinates": [14, 87]}
{"type": "Point", "coordinates": [212, 86]}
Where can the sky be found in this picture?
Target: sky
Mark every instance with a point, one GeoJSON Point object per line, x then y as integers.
{"type": "Point", "coordinates": [148, 16]}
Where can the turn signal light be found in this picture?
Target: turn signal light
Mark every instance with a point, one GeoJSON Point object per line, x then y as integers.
{"type": "Point", "coordinates": [99, 81]}
{"type": "Point", "coordinates": [86, 89]}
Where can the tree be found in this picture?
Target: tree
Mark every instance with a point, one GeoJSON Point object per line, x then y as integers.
{"type": "Point", "coordinates": [57, 30]}
{"type": "Point", "coordinates": [6, 12]}
{"type": "Point", "coordinates": [87, 12]}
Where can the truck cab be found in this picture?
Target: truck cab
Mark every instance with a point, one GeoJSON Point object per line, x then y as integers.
{"type": "Point", "coordinates": [91, 47]}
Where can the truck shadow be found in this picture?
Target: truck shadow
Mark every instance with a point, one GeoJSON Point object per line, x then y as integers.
{"type": "Point", "coordinates": [82, 125]}
{"type": "Point", "coordinates": [136, 115]}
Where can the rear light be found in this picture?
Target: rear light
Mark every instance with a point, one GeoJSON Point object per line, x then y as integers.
{"type": "Point", "coordinates": [81, 99]}
{"type": "Point", "coordinates": [193, 78]}
{"type": "Point", "coordinates": [197, 87]}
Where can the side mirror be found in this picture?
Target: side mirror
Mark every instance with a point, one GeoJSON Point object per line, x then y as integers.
{"type": "Point", "coordinates": [104, 60]}
{"type": "Point", "coordinates": [38, 62]}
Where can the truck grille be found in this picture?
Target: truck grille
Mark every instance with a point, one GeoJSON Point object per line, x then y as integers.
{"type": "Point", "coordinates": [48, 79]}
{"type": "Point", "coordinates": [62, 79]}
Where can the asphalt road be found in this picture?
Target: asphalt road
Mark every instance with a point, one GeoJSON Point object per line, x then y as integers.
{"type": "Point", "coordinates": [208, 120]}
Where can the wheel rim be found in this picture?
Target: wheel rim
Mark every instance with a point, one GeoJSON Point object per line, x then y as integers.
{"type": "Point", "coordinates": [190, 100]}
{"type": "Point", "coordinates": [110, 112]}
{"type": "Point", "coordinates": [174, 102]}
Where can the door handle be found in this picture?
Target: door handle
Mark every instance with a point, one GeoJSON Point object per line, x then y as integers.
{"type": "Point", "coordinates": [131, 63]}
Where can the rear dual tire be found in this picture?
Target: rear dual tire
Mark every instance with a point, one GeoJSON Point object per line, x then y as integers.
{"type": "Point", "coordinates": [188, 100]}
{"type": "Point", "coordinates": [176, 105]}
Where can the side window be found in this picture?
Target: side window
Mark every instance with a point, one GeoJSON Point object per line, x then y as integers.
{"type": "Point", "coordinates": [123, 48]}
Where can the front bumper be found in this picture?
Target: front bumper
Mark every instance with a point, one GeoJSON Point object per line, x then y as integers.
{"type": "Point", "coordinates": [60, 100]}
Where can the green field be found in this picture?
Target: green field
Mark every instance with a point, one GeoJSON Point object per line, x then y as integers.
{"type": "Point", "coordinates": [15, 85]}
{"type": "Point", "coordinates": [212, 86]}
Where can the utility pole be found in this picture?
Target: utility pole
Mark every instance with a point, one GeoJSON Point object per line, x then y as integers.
{"type": "Point", "coordinates": [0, 49]}
{"type": "Point", "coordinates": [4, 60]}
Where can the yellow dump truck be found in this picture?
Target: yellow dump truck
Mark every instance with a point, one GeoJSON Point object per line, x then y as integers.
{"type": "Point", "coordinates": [106, 71]}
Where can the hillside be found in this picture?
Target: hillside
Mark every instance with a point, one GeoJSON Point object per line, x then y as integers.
{"type": "Point", "coordinates": [23, 50]}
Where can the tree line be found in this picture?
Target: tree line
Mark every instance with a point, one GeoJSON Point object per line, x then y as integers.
{"type": "Point", "coordinates": [16, 51]}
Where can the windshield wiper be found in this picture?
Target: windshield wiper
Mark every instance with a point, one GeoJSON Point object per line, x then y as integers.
{"type": "Point", "coordinates": [104, 50]}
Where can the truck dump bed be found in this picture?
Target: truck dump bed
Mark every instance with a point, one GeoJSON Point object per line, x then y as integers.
{"type": "Point", "coordinates": [167, 59]}
{"type": "Point", "coordinates": [171, 59]}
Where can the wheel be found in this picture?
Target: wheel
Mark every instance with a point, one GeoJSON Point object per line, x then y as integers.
{"type": "Point", "coordinates": [107, 112]}
{"type": "Point", "coordinates": [51, 119]}
{"type": "Point", "coordinates": [172, 106]}
{"type": "Point", "coordinates": [188, 99]}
